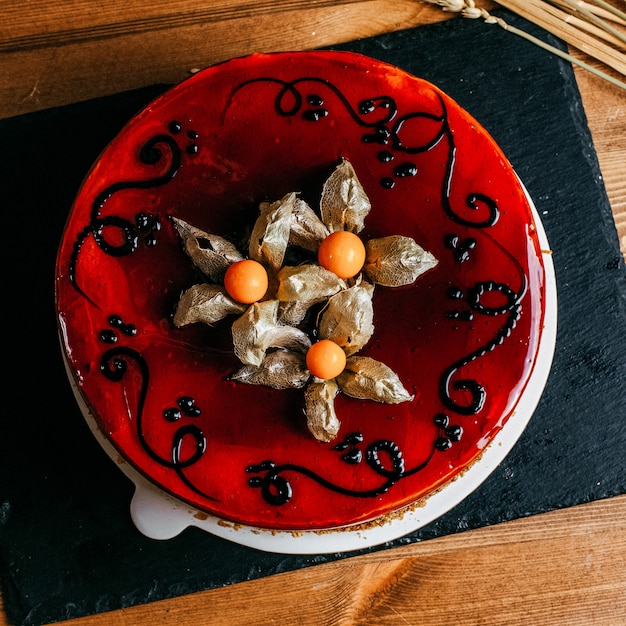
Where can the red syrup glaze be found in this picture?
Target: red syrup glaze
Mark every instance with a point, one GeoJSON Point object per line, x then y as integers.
{"type": "Point", "coordinates": [209, 151]}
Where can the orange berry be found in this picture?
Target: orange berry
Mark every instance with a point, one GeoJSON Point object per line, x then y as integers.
{"type": "Point", "coordinates": [246, 281]}
{"type": "Point", "coordinates": [325, 359]}
{"type": "Point", "coordinates": [342, 252]}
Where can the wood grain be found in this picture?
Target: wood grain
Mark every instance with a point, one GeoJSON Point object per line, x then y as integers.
{"type": "Point", "coordinates": [605, 108]}
{"type": "Point", "coordinates": [61, 52]}
{"type": "Point", "coordinates": [564, 568]}
{"type": "Point", "coordinates": [560, 568]}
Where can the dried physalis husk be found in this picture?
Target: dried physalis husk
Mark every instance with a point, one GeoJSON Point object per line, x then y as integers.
{"type": "Point", "coordinates": [294, 312]}
{"type": "Point", "coordinates": [205, 303]}
{"type": "Point", "coordinates": [307, 230]}
{"type": "Point", "coordinates": [308, 283]}
{"type": "Point", "coordinates": [348, 317]}
{"type": "Point", "coordinates": [321, 418]}
{"type": "Point", "coordinates": [367, 379]}
{"type": "Point", "coordinates": [396, 260]}
{"type": "Point", "coordinates": [344, 203]}
{"type": "Point", "coordinates": [280, 369]}
{"type": "Point", "coordinates": [259, 330]}
{"type": "Point", "coordinates": [211, 254]}
{"type": "Point", "coordinates": [270, 234]}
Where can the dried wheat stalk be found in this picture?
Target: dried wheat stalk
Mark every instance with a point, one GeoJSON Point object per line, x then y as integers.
{"type": "Point", "coordinates": [595, 27]}
{"type": "Point", "coordinates": [590, 20]}
{"type": "Point", "coordinates": [598, 14]}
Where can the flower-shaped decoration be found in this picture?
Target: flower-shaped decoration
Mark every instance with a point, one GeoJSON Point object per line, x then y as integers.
{"type": "Point", "coordinates": [284, 306]}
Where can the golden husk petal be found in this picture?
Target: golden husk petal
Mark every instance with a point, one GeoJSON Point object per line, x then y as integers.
{"type": "Point", "coordinates": [279, 369]}
{"type": "Point", "coordinates": [348, 317]}
{"type": "Point", "coordinates": [294, 312]}
{"type": "Point", "coordinates": [307, 283]}
{"type": "Point", "coordinates": [211, 254]}
{"type": "Point", "coordinates": [258, 330]}
{"type": "Point", "coordinates": [205, 303]}
{"type": "Point", "coordinates": [270, 234]}
{"type": "Point", "coordinates": [367, 379]}
{"type": "Point", "coordinates": [307, 230]}
{"type": "Point", "coordinates": [396, 260]}
{"type": "Point", "coordinates": [322, 420]}
{"type": "Point", "coordinates": [344, 203]}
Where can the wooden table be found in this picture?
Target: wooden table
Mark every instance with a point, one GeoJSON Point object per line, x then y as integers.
{"type": "Point", "coordinates": [565, 567]}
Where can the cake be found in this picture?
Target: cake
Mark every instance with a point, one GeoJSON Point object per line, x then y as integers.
{"type": "Point", "coordinates": [457, 337]}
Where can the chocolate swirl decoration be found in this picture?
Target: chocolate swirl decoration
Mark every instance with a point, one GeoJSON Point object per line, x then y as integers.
{"type": "Point", "coordinates": [476, 201]}
{"type": "Point", "coordinates": [144, 226]}
{"type": "Point", "coordinates": [386, 129]}
{"type": "Point", "coordinates": [512, 309]}
{"type": "Point", "coordinates": [290, 101]}
{"type": "Point", "coordinates": [277, 490]}
{"type": "Point", "coordinates": [487, 215]}
{"type": "Point", "coordinates": [114, 365]}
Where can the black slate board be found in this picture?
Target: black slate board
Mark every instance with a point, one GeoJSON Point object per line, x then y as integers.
{"type": "Point", "coordinates": [67, 545]}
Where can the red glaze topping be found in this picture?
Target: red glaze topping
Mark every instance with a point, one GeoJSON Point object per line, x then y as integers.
{"type": "Point", "coordinates": [463, 338]}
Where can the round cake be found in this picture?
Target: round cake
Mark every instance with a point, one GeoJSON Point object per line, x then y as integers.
{"type": "Point", "coordinates": [214, 395]}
